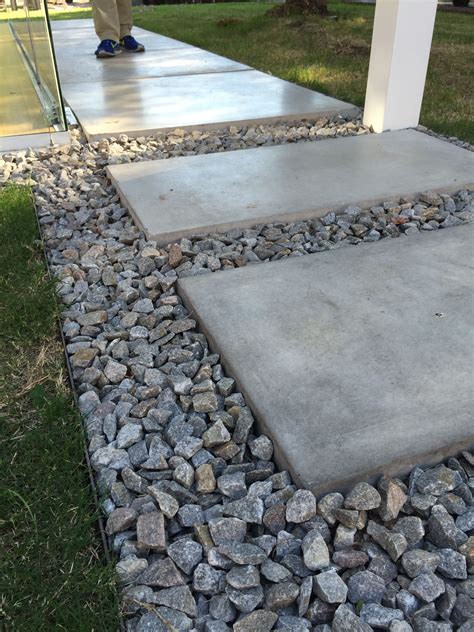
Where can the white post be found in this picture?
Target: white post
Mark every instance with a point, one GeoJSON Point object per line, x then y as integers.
{"type": "Point", "coordinates": [401, 43]}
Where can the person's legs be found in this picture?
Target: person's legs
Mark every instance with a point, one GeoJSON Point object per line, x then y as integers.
{"type": "Point", "coordinates": [124, 10]}
{"type": "Point", "coordinates": [106, 19]}
{"type": "Point", "coordinates": [127, 41]}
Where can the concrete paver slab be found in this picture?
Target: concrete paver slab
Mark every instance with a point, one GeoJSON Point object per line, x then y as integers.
{"type": "Point", "coordinates": [70, 45]}
{"type": "Point", "coordinates": [193, 101]}
{"type": "Point", "coordinates": [155, 63]}
{"type": "Point", "coordinates": [178, 197]}
{"type": "Point", "coordinates": [72, 25]}
{"type": "Point", "coordinates": [355, 361]}
{"type": "Point", "coordinates": [94, 89]}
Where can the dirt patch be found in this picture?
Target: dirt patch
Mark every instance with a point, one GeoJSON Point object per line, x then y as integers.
{"type": "Point", "coordinates": [228, 22]}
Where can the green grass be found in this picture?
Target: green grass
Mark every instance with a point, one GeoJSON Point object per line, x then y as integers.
{"type": "Point", "coordinates": [54, 14]}
{"type": "Point", "coordinates": [330, 56]}
{"type": "Point", "coordinates": [52, 575]}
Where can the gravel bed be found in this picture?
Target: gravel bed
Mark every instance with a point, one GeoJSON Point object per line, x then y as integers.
{"type": "Point", "coordinates": [450, 139]}
{"type": "Point", "coordinates": [208, 534]}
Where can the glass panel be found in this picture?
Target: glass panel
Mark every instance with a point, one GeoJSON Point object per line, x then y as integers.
{"type": "Point", "coordinates": [30, 96]}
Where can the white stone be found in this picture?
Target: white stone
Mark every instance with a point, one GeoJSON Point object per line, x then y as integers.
{"type": "Point", "coordinates": [315, 551]}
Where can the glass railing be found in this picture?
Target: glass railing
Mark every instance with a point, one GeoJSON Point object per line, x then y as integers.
{"type": "Point", "coordinates": [30, 95]}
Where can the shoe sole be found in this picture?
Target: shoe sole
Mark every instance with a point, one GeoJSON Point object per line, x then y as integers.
{"type": "Point", "coordinates": [104, 55]}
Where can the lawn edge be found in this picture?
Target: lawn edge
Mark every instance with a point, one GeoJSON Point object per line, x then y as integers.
{"type": "Point", "coordinates": [99, 518]}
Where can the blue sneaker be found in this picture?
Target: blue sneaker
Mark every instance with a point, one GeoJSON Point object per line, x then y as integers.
{"type": "Point", "coordinates": [130, 44]}
{"type": "Point", "coordinates": [108, 48]}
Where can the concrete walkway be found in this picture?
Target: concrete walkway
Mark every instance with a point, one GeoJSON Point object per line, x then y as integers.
{"type": "Point", "coordinates": [172, 85]}
{"type": "Point", "coordinates": [174, 198]}
{"type": "Point", "coordinates": [355, 361]}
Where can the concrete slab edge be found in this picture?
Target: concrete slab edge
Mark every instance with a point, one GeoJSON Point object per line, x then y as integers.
{"type": "Point", "coordinates": [171, 74]}
{"type": "Point", "coordinates": [33, 141]}
{"type": "Point", "coordinates": [313, 212]}
{"type": "Point", "coordinates": [398, 467]}
{"type": "Point", "coordinates": [350, 110]}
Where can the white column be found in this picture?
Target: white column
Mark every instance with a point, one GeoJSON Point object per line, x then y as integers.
{"type": "Point", "coordinates": [401, 43]}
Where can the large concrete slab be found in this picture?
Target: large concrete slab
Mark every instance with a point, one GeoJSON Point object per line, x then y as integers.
{"type": "Point", "coordinates": [354, 361]}
{"type": "Point", "coordinates": [193, 101]}
{"type": "Point", "coordinates": [172, 85]}
{"type": "Point", "coordinates": [82, 42]}
{"type": "Point", "coordinates": [178, 197]}
{"type": "Point", "coordinates": [162, 62]}
{"type": "Point", "coordinates": [72, 25]}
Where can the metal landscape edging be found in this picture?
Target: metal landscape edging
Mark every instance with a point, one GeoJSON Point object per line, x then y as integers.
{"type": "Point", "coordinates": [100, 519]}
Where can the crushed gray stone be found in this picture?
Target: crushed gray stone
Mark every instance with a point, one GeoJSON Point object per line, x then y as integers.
{"type": "Point", "coordinates": [206, 530]}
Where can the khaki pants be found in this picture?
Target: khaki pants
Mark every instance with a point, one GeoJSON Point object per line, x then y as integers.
{"type": "Point", "coordinates": [112, 18]}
